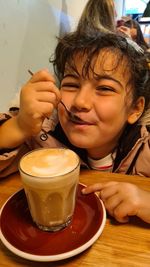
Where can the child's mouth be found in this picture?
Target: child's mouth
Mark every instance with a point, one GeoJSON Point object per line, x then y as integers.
{"type": "Point", "coordinates": [77, 120]}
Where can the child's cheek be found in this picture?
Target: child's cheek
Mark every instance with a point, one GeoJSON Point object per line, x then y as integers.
{"type": "Point", "coordinates": [107, 110]}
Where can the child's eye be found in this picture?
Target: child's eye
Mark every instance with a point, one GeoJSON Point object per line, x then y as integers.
{"type": "Point", "coordinates": [69, 85]}
{"type": "Point", "coordinates": [104, 88]}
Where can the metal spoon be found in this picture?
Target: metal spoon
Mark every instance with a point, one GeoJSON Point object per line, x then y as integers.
{"type": "Point", "coordinates": [71, 114]}
{"type": "Point", "coordinates": [44, 135]}
{"type": "Point", "coordinates": [73, 117]}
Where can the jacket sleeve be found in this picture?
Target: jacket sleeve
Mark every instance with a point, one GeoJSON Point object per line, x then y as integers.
{"type": "Point", "coordinates": [142, 164]}
{"type": "Point", "coordinates": [138, 159]}
{"type": "Point", "coordinates": [9, 158]}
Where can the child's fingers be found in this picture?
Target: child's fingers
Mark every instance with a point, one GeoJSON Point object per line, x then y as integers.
{"type": "Point", "coordinates": [47, 97]}
{"type": "Point", "coordinates": [37, 91]}
{"type": "Point", "coordinates": [50, 88]}
{"type": "Point", "coordinates": [122, 211]}
{"type": "Point", "coordinates": [110, 189]}
{"type": "Point", "coordinates": [42, 75]}
{"type": "Point", "coordinates": [98, 187]}
{"type": "Point", "coordinates": [46, 109]}
{"type": "Point", "coordinates": [112, 202]}
{"type": "Point", "coordinates": [92, 188]}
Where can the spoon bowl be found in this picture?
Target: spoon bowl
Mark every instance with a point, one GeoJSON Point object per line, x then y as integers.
{"type": "Point", "coordinates": [72, 116]}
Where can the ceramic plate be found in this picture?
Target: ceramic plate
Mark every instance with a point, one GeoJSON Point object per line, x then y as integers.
{"type": "Point", "coordinates": [21, 236]}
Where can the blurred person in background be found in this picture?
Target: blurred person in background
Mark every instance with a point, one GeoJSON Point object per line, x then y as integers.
{"type": "Point", "coordinates": [99, 14]}
{"type": "Point", "coordinates": [132, 28]}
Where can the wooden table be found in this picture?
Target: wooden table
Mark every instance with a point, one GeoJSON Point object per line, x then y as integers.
{"type": "Point", "coordinates": [122, 245]}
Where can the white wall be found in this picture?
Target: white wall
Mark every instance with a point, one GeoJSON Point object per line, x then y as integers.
{"type": "Point", "coordinates": [119, 7]}
{"type": "Point", "coordinates": [28, 30]}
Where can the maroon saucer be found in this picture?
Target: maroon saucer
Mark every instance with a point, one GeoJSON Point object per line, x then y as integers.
{"type": "Point", "coordinates": [22, 237]}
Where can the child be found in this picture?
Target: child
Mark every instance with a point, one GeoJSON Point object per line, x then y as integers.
{"type": "Point", "coordinates": [104, 82]}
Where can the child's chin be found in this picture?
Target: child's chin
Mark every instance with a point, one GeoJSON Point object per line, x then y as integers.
{"type": "Point", "coordinates": [78, 143]}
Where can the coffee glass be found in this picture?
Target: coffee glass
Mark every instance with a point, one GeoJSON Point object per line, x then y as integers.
{"type": "Point", "coordinates": [50, 177]}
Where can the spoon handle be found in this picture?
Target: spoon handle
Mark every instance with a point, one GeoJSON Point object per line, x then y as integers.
{"type": "Point", "coordinates": [64, 106]}
{"type": "Point", "coordinates": [44, 135]}
{"type": "Point", "coordinates": [31, 73]}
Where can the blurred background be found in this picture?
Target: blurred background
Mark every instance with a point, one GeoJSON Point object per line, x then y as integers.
{"type": "Point", "coordinates": [28, 30]}
{"type": "Point", "coordinates": [135, 10]}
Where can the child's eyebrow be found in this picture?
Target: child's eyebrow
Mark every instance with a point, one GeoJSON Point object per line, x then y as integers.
{"type": "Point", "coordinates": [71, 76]}
{"type": "Point", "coordinates": [107, 77]}
{"type": "Point", "coordinates": [98, 78]}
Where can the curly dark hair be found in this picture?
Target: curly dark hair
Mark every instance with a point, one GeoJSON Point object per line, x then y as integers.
{"type": "Point", "coordinates": [91, 44]}
{"type": "Point", "coordinates": [127, 53]}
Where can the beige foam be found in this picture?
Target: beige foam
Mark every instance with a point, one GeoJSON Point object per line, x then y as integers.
{"type": "Point", "coordinates": [49, 162]}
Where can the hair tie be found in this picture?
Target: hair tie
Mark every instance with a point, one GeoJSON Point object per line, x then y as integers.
{"type": "Point", "coordinates": [135, 46]}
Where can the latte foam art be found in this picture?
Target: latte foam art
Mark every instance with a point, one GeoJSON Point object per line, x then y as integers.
{"type": "Point", "coordinates": [49, 162]}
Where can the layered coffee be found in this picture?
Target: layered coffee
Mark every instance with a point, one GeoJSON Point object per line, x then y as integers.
{"type": "Point", "coordinates": [50, 178]}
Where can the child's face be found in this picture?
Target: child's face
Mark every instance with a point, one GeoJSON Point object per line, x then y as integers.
{"type": "Point", "coordinates": [102, 103]}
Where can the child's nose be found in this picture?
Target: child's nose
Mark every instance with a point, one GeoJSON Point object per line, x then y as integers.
{"type": "Point", "coordinates": [83, 99]}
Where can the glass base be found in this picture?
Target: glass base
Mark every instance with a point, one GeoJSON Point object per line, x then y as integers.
{"type": "Point", "coordinates": [54, 228]}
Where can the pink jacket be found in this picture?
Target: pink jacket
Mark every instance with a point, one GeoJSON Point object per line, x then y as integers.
{"type": "Point", "coordinates": [9, 160]}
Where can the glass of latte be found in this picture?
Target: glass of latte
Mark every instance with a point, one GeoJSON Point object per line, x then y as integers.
{"type": "Point", "coordinates": [50, 177]}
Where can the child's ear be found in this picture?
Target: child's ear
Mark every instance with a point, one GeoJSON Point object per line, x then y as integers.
{"type": "Point", "coordinates": [137, 110]}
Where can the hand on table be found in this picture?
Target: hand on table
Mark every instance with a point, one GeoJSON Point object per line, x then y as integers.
{"type": "Point", "coordinates": [122, 200]}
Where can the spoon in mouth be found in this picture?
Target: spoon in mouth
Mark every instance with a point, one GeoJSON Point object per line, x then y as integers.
{"type": "Point", "coordinates": [71, 114]}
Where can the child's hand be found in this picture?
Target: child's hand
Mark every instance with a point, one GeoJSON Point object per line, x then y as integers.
{"type": "Point", "coordinates": [38, 99]}
{"type": "Point", "coordinates": [123, 200]}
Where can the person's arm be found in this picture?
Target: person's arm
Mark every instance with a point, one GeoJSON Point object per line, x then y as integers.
{"type": "Point", "coordinates": [38, 99]}
{"type": "Point", "coordinates": [123, 200]}
{"type": "Point", "coordinates": [11, 134]}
